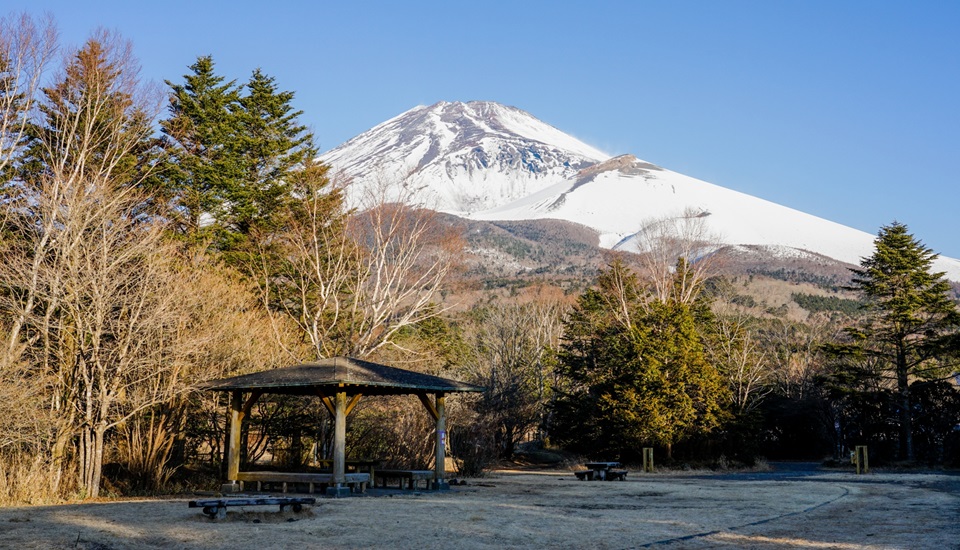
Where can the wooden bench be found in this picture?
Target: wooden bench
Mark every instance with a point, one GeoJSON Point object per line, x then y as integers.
{"type": "Point", "coordinates": [616, 474]}
{"type": "Point", "coordinates": [217, 508]}
{"type": "Point", "coordinates": [584, 475]}
{"type": "Point", "coordinates": [410, 476]}
{"type": "Point", "coordinates": [357, 481]}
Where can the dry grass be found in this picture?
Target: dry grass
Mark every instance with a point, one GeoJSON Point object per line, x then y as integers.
{"type": "Point", "coordinates": [25, 481]}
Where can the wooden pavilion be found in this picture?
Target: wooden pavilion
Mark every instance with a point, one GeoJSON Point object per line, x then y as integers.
{"type": "Point", "coordinates": [339, 382]}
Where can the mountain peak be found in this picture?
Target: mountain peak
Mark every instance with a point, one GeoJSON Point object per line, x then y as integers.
{"type": "Point", "coordinates": [465, 157]}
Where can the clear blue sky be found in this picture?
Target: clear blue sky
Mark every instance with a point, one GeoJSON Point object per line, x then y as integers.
{"type": "Point", "coordinates": [847, 110]}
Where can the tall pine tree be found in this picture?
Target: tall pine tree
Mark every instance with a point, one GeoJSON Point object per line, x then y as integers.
{"type": "Point", "coordinates": [911, 319]}
{"type": "Point", "coordinates": [271, 143]}
{"type": "Point", "coordinates": [233, 149]}
{"type": "Point", "coordinates": [202, 134]}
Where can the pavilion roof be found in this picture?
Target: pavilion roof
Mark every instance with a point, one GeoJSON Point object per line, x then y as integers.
{"type": "Point", "coordinates": [340, 372]}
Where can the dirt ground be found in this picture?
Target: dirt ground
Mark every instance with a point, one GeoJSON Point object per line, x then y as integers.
{"type": "Point", "coordinates": [791, 507]}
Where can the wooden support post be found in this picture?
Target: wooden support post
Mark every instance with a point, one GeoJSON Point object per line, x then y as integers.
{"type": "Point", "coordinates": [338, 487]}
{"type": "Point", "coordinates": [441, 443]}
{"type": "Point", "coordinates": [860, 459]}
{"type": "Point", "coordinates": [233, 443]}
{"type": "Point", "coordinates": [648, 459]}
{"type": "Point", "coordinates": [239, 409]}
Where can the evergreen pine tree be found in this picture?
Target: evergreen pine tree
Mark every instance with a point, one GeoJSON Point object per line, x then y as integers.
{"type": "Point", "coordinates": [271, 143]}
{"type": "Point", "coordinates": [636, 369]}
{"type": "Point", "coordinates": [232, 153]}
{"type": "Point", "coordinates": [911, 319]}
{"type": "Point", "coordinates": [201, 134]}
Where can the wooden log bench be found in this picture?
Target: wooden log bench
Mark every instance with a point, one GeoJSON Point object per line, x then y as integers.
{"type": "Point", "coordinates": [217, 508]}
{"type": "Point", "coordinates": [411, 477]}
{"type": "Point", "coordinates": [584, 475]}
{"type": "Point", "coordinates": [616, 474]}
{"type": "Point", "coordinates": [356, 481]}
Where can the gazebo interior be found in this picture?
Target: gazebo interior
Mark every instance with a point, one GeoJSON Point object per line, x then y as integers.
{"type": "Point", "coordinates": [339, 383]}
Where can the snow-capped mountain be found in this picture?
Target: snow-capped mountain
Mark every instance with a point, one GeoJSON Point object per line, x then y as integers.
{"type": "Point", "coordinates": [486, 161]}
{"type": "Point", "coordinates": [463, 157]}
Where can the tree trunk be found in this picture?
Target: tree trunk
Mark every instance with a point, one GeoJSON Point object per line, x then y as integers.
{"type": "Point", "coordinates": [96, 472]}
{"type": "Point", "coordinates": [906, 414]}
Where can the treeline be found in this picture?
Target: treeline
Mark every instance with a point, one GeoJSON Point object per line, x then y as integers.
{"type": "Point", "coordinates": [815, 304]}
{"type": "Point", "coordinates": [667, 358]}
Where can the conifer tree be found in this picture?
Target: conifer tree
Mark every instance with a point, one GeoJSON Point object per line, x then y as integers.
{"type": "Point", "coordinates": [911, 319]}
{"type": "Point", "coordinates": [233, 149]}
{"type": "Point", "coordinates": [270, 144]}
{"type": "Point", "coordinates": [92, 124]}
{"type": "Point", "coordinates": [635, 368]}
{"type": "Point", "coordinates": [201, 134]}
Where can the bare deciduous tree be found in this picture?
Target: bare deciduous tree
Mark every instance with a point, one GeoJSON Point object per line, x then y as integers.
{"type": "Point", "coordinates": [738, 354]}
{"type": "Point", "coordinates": [406, 255]}
{"type": "Point", "coordinates": [663, 243]}
{"type": "Point", "coordinates": [352, 281]}
{"type": "Point", "coordinates": [26, 47]}
{"type": "Point", "coordinates": [84, 264]}
{"type": "Point", "coordinates": [510, 344]}
{"type": "Point", "coordinates": [212, 327]}
{"type": "Point", "coordinates": [308, 271]}
{"type": "Point", "coordinates": [798, 357]}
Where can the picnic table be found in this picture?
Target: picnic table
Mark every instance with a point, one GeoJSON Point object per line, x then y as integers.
{"type": "Point", "coordinates": [602, 470]}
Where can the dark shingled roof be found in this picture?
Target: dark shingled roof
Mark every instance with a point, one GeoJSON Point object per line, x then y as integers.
{"type": "Point", "coordinates": [336, 372]}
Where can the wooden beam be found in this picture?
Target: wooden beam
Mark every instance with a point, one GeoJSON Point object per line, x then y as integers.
{"type": "Point", "coordinates": [429, 406]}
{"type": "Point", "coordinates": [248, 404]}
{"type": "Point", "coordinates": [353, 403]}
{"type": "Point", "coordinates": [327, 403]}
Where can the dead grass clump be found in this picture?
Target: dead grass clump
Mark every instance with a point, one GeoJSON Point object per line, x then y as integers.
{"type": "Point", "coordinates": [24, 481]}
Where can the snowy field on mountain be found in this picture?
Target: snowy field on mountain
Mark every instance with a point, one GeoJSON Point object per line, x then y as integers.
{"type": "Point", "coordinates": [793, 508]}
{"type": "Point", "coordinates": [486, 161]}
{"type": "Point", "coordinates": [619, 206]}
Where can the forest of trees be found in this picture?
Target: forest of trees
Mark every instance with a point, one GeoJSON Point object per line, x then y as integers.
{"type": "Point", "coordinates": [158, 236]}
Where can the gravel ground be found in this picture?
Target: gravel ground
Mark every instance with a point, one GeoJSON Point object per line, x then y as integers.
{"type": "Point", "coordinates": [795, 507]}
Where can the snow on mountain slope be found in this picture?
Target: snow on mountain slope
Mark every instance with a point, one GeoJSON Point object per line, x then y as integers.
{"type": "Point", "coordinates": [464, 156]}
{"type": "Point", "coordinates": [621, 196]}
{"type": "Point", "coordinates": [487, 161]}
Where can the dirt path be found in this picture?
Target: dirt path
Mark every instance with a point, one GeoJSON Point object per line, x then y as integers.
{"type": "Point", "coordinates": [782, 509]}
